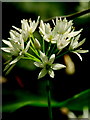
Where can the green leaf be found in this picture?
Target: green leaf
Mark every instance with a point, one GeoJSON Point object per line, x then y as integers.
{"type": "Point", "coordinates": [77, 102]}
{"type": "Point", "coordinates": [25, 99]}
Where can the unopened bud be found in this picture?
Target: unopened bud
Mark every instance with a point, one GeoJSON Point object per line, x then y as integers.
{"type": "Point", "coordinates": [37, 44]}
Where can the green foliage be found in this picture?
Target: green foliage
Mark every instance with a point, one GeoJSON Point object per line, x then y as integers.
{"type": "Point", "coordinates": [77, 102]}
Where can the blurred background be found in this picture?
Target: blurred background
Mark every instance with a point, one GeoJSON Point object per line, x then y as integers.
{"type": "Point", "coordinates": [23, 78]}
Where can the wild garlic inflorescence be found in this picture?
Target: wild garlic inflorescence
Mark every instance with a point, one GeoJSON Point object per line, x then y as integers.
{"type": "Point", "coordinates": [61, 36]}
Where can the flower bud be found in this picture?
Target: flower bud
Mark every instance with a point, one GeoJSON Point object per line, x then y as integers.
{"type": "Point", "coordinates": [37, 44]}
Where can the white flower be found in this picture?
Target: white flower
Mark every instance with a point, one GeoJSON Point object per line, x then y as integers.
{"type": "Point", "coordinates": [75, 44]}
{"type": "Point", "coordinates": [47, 65]}
{"type": "Point", "coordinates": [61, 33]}
{"type": "Point", "coordinates": [47, 33]}
{"type": "Point", "coordinates": [27, 28]}
{"type": "Point", "coordinates": [62, 42]}
{"type": "Point", "coordinates": [15, 48]}
{"type": "Point", "coordinates": [64, 27]}
{"type": "Point", "coordinates": [65, 32]}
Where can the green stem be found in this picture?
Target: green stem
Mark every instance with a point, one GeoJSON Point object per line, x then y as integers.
{"type": "Point", "coordinates": [31, 57]}
{"type": "Point", "coordinates": [48, 48]}
{"type": "Point", "coordinates": [59, 51]}
{"type": "Point", "coordinates": [62, 54]}
{"type": "Point", "coordinates": [56, 51]}
{"type": "Point", "coordinates": [52, 50]}
{"type": "Point", "coordinates": [43, 46]}
{"type": "Point", "coordinates": [32, 44]}
{"type": "Point", "coordinates": [33, 47]}
{"type": "Point", "coordinates": [49, 100]}
{"type": "Point", "coordinates": [35, 51]}
{"type": "Point", "coordinates": [72, 16]}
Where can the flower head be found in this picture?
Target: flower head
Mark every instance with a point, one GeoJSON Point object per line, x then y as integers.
{"type": "Point", "coordinates": [61, 33]}
{"type": "Point", "coordinates": [27, 28]}
{"type": "Point", "coordinates": [47, 65]}
{"type": "Point", "coordinates": [65, 31]}
{"type": "Point", "coordinates": [60, 36]}
{"type": "Point", "coordinates": [16, 48]}
{"type": "Point", "coordinates": [62, 26]}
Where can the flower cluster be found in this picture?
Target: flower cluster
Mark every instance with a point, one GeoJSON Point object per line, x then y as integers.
{"type": "Point", "coordinates": [46, 50]}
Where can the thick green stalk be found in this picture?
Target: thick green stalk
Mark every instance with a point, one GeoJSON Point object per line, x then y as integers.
{"type": "Point", "coordinates": [49, 100]}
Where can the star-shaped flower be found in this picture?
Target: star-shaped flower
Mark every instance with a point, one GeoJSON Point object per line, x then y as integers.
{"type": "Point", "coordinates": [47, 33]}
{"type": "Point", "coordinates": [27, 28]}
{"type": "Point", "coordinates": [75, 44]}
{"type": "Point", "coordinates": [62, 42]}
{"type": "Point", "coordinates": [47, 65]}
{"type": "Point", "coordinates": [16, 48]}
{"type": "Point", "coordinates": [64, 27]}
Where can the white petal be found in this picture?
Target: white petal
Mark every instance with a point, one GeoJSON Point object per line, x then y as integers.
{"type": "Point", "coordinates": [37, 20]}
{"type": "Point", "coordinates": [78, 55]}
{"type": "Point", "coordinates": [22, 42]}
{"type": "Point", "coordinates": [71, 115]}
{"type": "Point", "coordinates": [42, 27]}
{"type": "Point", "coordinates": [72, 34]}
{"type": "Point", "coordinates": [43, 57]}
{"type": "Point", "coordinates": [12, 35]}
{"type": "Point", "coordinates": [27, 46]}
{"type": "Point", "coordinates": [24, 24]}
{"type": "Point", "coordinates": [82, 51]}
{"type": "Point", "coordinates": [53, 22]}
{"type": "Point", "coordinates": [38, 64]}
{"type": "Point", "coordinates": [62, 43]}
{"type": "Point", "coordinates": [71, 44]}
{"type": "Point", "coordinates": [42, 54]}
{"type": "Point", "coordinates": [52, 58]}
{"type": "Point", "coordinates": [58, 66]}
{"type": "Point", "coordinates": [16, 46]}
{"type": "Point", "coordinates": [7, 43]}
{"type": "Point", "coordinates": [18, 29]}
{"type": "Point", "coordinates": [15, 60]}
{"type": "Point", "coordinates": [51, 73]}
{"type": "Point", "coordinates": [6, 49]}
{"type": "Point", "coordinates": [47, 28]}
{"type": "Point", "coordinates": [77, 37]}
{"type": "Point", "coordinates": [42, 73]}
{"type": "Point", "coordinates": [15, 33]}
{"type": "Point", "coordinates": [81, 42]}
